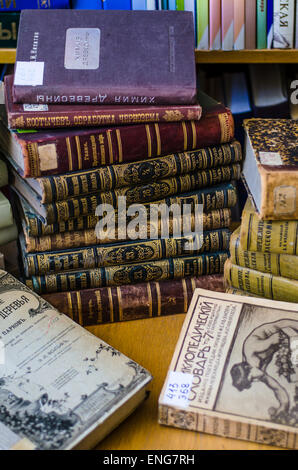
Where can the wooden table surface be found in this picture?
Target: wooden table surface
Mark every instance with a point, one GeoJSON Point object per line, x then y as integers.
{"type": "Point", "coordinates": [151, 343]}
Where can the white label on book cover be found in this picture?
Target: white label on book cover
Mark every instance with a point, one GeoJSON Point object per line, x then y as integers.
{"type": "Point", "coordinates": [82, 48]}
{"type": "Point", "coordinates": [35, 107]}
{"type": "Point", "coordinates": [29, 73]}
{"type": "Point", "coordinates": [178, 389]}
{"type": "Point", "coordinates": [284, 200]}
{"type": "Point", "coordinates": [270, 158]}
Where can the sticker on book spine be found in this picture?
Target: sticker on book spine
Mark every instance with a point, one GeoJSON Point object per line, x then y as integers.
{"type": "Point", "coordinates": [284, 200]}
{"type": "Point", "coordinates": [82, 48]}
{"type": "Point", "coordinates": [29, 73]}
{"type": "Point", "coordinates": [178, 389]}
{"type": "Point", "coordinates": [270, 158]}
{"type": "Point", "coordinates": [35, 107]}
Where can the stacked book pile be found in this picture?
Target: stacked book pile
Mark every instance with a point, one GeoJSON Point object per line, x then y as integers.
{"type": "Point", "coordinates": [264, 249]}
{"type": "Point", "coordinates": [92, 237]}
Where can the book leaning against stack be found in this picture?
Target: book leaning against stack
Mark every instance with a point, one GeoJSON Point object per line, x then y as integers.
{"type": "Point", "coordinates": [83, 152]}
{"type": "Point", "coordinates": [264, 251]}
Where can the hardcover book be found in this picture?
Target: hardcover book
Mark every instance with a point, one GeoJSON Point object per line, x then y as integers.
{"type": "Point", "coordinates": [61, 387]}
{"type": "Point", "coordinates": [86, 205]}
{"type": "Point", "coordinates": [214, 24]}
{"type": "Point", "coordinates": [160, 270]}
{"type": "Point", "coordinates": [212, 198]}
{"type": "Point", "coordinates": [61, 150]}
{"type": "Point", "coordinates": [284, 20]}
{"type": "Point", "coordinates": [105, 57]}
{"type": "Point", "coordinates": [270, 167]}
{"type": "Point", "coordinates": [261, 24]}
{"type": "Point", "coordinates": [132, 301]}
{"type": "Point", "coordinates": [17, 5]}
{"type": "Point", "coordinates": [250, 24]}
{"type": "Point", "coordinates": [234, 371]}
{"type": "Point", "coordinates": [50, 116]}
{"type": "Point", "coordinates": [60, 187]}
{"type": "Point", "coordinates": [202, 24]}
{"type": "Point", "coordinates": [260, 283]}
{"type": "Point", "coordinates": [239, 24]}
{"type": "Point", "coordinates": [270, 17]}
{"type": "Point", "coordinates": [227, 24]}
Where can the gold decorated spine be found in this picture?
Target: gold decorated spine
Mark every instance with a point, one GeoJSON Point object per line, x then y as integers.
{"type": "Point", "coordinates": [86, 205]}
{"type": "Point", "coordinates": [174, 268]}
{"type": "Point", "coordinates": [213, 220]}
{"type": "Point", "coordinates": [272, 263]}
{"type": "Point", "coordinates": [262, 284]}
{"type": "Point", "coordinates": [268, 236]}
{"type": "Point", "coordinates": [125, 253]}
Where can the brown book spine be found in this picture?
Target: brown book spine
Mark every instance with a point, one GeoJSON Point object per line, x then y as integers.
{"type": "Point", "coordinates": [61, 241]}
{"type": "Point", "coordinates": [62, 151]}
{"type": "Point", "coordinates": [131, 302]}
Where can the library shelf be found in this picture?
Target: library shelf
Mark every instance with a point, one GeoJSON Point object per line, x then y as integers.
{"type": "Point", "coordinates": [256, 56]}
{"type": "Point", "coordinates": [269, 56]}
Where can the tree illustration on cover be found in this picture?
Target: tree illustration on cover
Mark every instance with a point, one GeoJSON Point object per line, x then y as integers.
{"type": "Point", "coordinates": [278, 342]}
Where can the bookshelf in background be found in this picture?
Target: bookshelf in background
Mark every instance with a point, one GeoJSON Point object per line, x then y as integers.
{"type": "Point", "coordinates": [270, 56]}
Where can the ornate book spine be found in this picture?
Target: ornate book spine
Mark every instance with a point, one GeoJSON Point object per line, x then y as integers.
{"type": "Point", "coordinates": [272, 263]}
{"type": "Point", "coordinates": [174, 268]}
{"type": "Point", "coordinates": [86, 205]}
{"type": "Point", "coordinates": [57, 188]}
{"type": "Point", "coordinates": [213, 198]}
{"type": "Point", "coordinates": [268, 236]}
{"type": "Point", "coordinates": [213, 220]}
{"type": "Point", "coordinates": [262, 284]}
{"type": "Point", "coordinates": [125, 253]}
{"type": "Point", "coordinates": [60, 151]}
{"type": "Point", "coordinates": [131, 302]}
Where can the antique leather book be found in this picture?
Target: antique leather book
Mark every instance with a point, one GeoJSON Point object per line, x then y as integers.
{"type": "Point", "coordinates": [107, 57]}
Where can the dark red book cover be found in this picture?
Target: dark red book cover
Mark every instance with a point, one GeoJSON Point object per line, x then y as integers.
{"type": "Point", "coordinates": [59, 151]}
{"type": "Point", "coordinates": [105, 57]}
{"type": "Point", "coordinates": [51, 116]}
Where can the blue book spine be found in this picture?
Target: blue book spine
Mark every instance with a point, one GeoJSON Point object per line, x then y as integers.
{"type": "Point", "coordinates": [86, 4]}
{"type": "Point", "coordinates": [16, 5]}
{"type": "Point", "coordinates": [172, 4]}
{"type": "Point", "coordinates": [139, 4]}
{"type": "Point", "coordinates": [116, 4]}
{"type": "Point", "coordinates": [270, 23]}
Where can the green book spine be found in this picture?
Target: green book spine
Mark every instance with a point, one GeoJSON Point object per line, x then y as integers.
{"type": "Point", "coordinates": [180, 5]}
{"type": "Point", "coordinates": [9, 25]}
{"type": "Point", "coordinates": [213, 198]}
{"type": "Point", "coordinates": [173, 268]}
{"type": "Point", "coordinates": [261, 24]}
{"type": "Point", "coordinates": [57, 188]}
{"type": "Point", "coordinates": [202, 24]}
{"type": "Point", "coordinates": [128, 252]}
{"type": "Point", "coordinates": [78, 206]}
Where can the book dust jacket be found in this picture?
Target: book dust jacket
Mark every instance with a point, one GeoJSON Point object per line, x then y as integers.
{"type": "Point", "coordinates": [235, 370]}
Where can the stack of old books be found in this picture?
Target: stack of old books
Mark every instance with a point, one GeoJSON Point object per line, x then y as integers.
{"type": "Point", "coordinates": [93, 238]}
{"type": "Point", "coordinates": [264, 249]}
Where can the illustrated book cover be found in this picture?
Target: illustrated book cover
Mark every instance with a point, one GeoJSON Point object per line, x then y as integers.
{"type": "Point", "coordinates": [234, 372]}
{"type": "Point", "coordinates": [107, 57]}
{"type": "Point", "coordinates": [60, 386]}
{"type": "Point", "coordinates": [271, 165]}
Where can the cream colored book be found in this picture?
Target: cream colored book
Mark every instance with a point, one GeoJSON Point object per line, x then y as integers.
{"type": "Point", "coordinates": [234, 372]}
{"type": "Point", "coordinates": [60, 386]}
